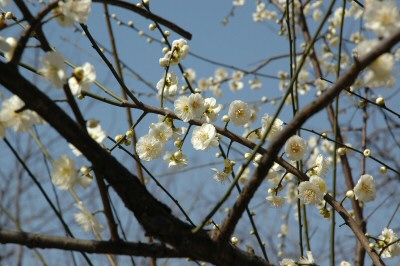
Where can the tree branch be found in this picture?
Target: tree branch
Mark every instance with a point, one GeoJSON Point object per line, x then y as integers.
{"type": "Point", "coordinates": [148, 15]}
{"type": "Point", "coordinates": [88, 246]}
{"type": "Point", "coordinates": [343, 82]}
{"type": "Point", "coordinates": [154, 216]}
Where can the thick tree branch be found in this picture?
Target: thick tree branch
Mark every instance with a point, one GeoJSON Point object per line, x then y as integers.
{"type": "Point", "coordinates": [154, 216]}
{"type": "Point", "coordinates": [88, 246]}
{"type": "Point", "coordinates": [346, 80]}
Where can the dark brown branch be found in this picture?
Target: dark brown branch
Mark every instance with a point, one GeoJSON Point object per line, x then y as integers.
{"type": "Point", "coordinates": [34, 26]}
{"type": "Point", "coordinates": [154, 216]}
{"type": "Point", "coordinates": [346, 80]}
{"type": "Point", "coordinates": [344, 160]}
{"type": "Point", "coordinates": [148, 15]}
{"type": "Point", "coordinates": [88, 246]}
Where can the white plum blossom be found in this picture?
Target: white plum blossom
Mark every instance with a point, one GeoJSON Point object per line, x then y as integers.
{"type": "Point", "coordinates": [365, 189]}
{"type": "Point", "coordinates": [87, 220]}
{"type": "Point", "coordinates": [95, 131]}
{"type": "Point", "coordinates": [160, 131]}
{"type": "Point", "coordinates": [220, 74]}
{"type": "Point", "coordinates": [187, 108]}
{"type": "Point", "coordinates": [255, 83]}
{"type": "Point", "coordinates": [64, 174]}
{"type": "Point", "coordinates": [70, 11]}
{"type": "Point", "coordinates": [179, 51]}
{"type": "Point", "coordinates": [287, 262]}
{"type": "Point", "coordinates": [388, 236]}
{"type": "Point", "coordinates": [149, 148]}
{"type": "Point", "coordinates": [203, 84]}
{"type": "Point", "coordinates": [54, 69]}
{"type": "Point", "coordinates": [319, 182]}
{"type": "Point", "coordinates": [345, 263]}
{"type": "Point", "coordinates": [12, 116]}
{"type": "Point", "coordinates": [262, 13]}
{"type": "Point", "coordinates": [382, 17]}
{"type": "Point", "coordinates": [220, 176]}
{"type": "Point", "coordinates": [276, 128]}
{"type": "Point", "coordinates": [310, 193]}
{"type": "Point", "coordinates": [168, 86]}
{"type": "Point", "coordinates": [182, 108]}
{"type": "Point", "coordinates": [204, 137]}
{"type": "Point", "coordinates": [379, 72]}
{"type": "Point", "coordinates": [238, 2]}
{"type": "Point", "coordinates": [8, 47]}
{"type": "Point", "coordinates": [296, 148]}
{"type": "Point", "coordinates": [239, 113]}
{"type": "Point", "coordinates": [197, 105]}
{"type": "Point", "coordinates": [275, 201]}
{"type": "Point", "coordinates": [190, 74]}
{"type": "Point", "coordinates": [235, 85]}
{"type": "Point", "coordinates": [175, 159]}
{"type": "Point", "coordinates": [212, 108]}
{"type": "Point", "coordinates": [309, 260]}
{"type": "Point", "coordinates": [82, 78]}
{"type": "Point", "coordinates": [321, 166]}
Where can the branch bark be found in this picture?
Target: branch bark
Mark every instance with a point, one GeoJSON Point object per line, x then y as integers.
{"type": "Point", "coordinates": [154, 216]}
{"type": "Point", "coordinates": [88, 246]}
{"type": "Point", "coordinates": [345, 81]}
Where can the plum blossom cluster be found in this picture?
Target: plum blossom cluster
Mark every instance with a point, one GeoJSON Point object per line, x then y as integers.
{"type": "Point", "coordinates": [388, 243]}
{"type": "Point", "coordinates": [66, 176]}
{"type": "Point", "coordinates": [54, 71]}
{"type": "Point", "coordinates": [95, 131]}
{"type": "Point", "coordinates": [13, 115]}
{"type": "Point", "coordinates": [70, 11]}
{"type": "Point", "coordinates": [178, 52]}
{"type": "Point", "coordinates": [168, 86]}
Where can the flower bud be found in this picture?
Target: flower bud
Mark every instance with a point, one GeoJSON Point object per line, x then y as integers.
{"type": "Point", "coordinates": [341, 151]}
{"type": "Point", "coordinates": [234, 240]}
{"type": "Point", "coordinates": [225, 119]}
{"type": "Point", "coordinates": [367, 152]}
{"type": "Point", "coordinates": [350, 194]}
{"type": "Point", "coordinates": [119, 138]}
{"type": "Point", "coordinates": [9, 15]}
{"type": "Point", "coordinates": [380, 101]}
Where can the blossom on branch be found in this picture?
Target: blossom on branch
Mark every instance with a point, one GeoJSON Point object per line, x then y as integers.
{"type": "Point", "coordinates": [168, 86]}
{"type": "Point", "coordinates": [54, 69]}
{"type": "Point", "coordinates": [188, 108]}
{"type": "Point", "coordinates": [382, 17]}
{"type": "Point", "coordinates": [64, 174]}
{"type": "Point", "coordinates": [70, 11]}
{"type": "Point", "coordinates": [239, 113]}
{"type": "Point", "coordinates": [391, 249]}
{"type": "Point", "coordinates": [149, 148]}
{"type": "Point", "coordinates": [179, 51]}
{"type": "Point", "coordinates": [276, 127]}
{"type": "Point", "coordinates": [204, 137]}
{"type": "Point", "coordinates": [14, 116]}
{"type": "Point", "coordinates": [296, 148]}
{"type": "Point", "coordinates": [87, 220]}
{"type": "Point", "coordinates": [82, 78]}
{"type": "Point", "coordinates": [310, 193]}
{"type": "Point", "coordinates": [365, 189]}
{"type": "Point", "coordinates": [380, 72]}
